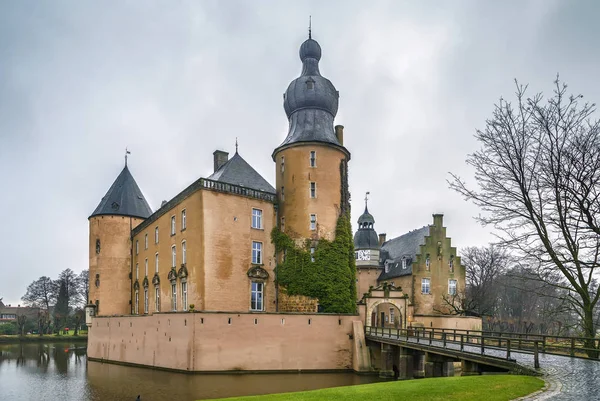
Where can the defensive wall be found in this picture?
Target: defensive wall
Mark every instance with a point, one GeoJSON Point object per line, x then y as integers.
{"type": "Point", "coordinates": [221, 342]}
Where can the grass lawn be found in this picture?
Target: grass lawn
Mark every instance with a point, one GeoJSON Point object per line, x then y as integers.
{"type": "Point", "coordinates": [490, 388]}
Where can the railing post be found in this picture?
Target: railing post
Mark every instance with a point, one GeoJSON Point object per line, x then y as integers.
{"type": "Point", "coordinates": [500, 341]}
{"type": "Point", "coordinates": [508, 348]}
{"type": "Point", "coordinates": [389, 332]}
{"type": "Point", "coordinates": [430, 337]}
{"type": "Point", "coordinates": [536, 357]}
{"type": "Point", "coordinates": [519, 346]}
{"type": "Point", "coordinates": [467, 336]}
{"type": "Point", "coordinates": [417, 335]}
{"type": "Point", "coordinates": [406, 335]}
{"type": "Point", "coordinates": [444, 339]}
{"type": "Point", "coordinates": [462, 342]}
{"type": "Point", "coordinates": [482, 344]}
{"type": "Point", "coordinates": [544, 343]}
{"type": "Point", "coordinates": [572, 347]}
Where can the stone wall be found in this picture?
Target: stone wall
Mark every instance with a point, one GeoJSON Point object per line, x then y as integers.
{"type": "Point", "coordinates": [448, 322]}
{"type": "Point", "coordinates": [212, 342]}
{"type": "Point", "coordinates": [296, 303]}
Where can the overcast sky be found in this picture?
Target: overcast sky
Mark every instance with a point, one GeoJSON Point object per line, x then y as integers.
{"type": "Point", "coordinates": [175, 80]}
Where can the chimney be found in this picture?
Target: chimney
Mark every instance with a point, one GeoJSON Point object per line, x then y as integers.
{"type": "Point", "coordinates": [220, 158]}
{"type": "Point", "coordinates": [438, 220]}
{"type": "Point", "coordinates": [381, 238]}
{"type": "Point", "coordinates": [339, 134]}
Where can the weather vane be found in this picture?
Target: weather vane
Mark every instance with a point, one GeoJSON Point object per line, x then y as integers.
{"type": "Point", "coordinates": [310, 26]}
{"type": "Point", "coordinates": [127, 152]}
{"type": "Point", "coordinates": [367, 197]}
{"type": "Point", "coordinates": [236, 145]}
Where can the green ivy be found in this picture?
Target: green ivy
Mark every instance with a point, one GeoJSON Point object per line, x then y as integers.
{"type": "Point", "coordinates": [331, 278]}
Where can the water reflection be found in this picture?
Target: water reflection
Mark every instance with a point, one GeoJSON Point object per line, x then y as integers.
{"type": "Point", "coordinates": [59, 371]}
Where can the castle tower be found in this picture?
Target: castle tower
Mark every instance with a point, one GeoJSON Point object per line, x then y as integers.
{"type": "Point", "coordinates": [366, 249]}
{"type": "Point", "coordinates": [120, 210]}
{"type": "Point", "coordinates": [312, 162]}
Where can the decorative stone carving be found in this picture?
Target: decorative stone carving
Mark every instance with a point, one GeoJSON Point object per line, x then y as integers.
{"type": "Point", "coordinates": [156, 279]}
{"type": "Point", "coordinates": [145, 282]}
{"type": "Point", "coordinates": [136, 285]}
{"type": "Point", "coordinates": [172, 274]}
{"type": "Point", "coordinates": [183, 272]}
{"type": "Point", "coordinates": [258, 272]}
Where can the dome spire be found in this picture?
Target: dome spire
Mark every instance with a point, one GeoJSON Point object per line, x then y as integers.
{"type": "Point", "coordinates": [367, 200]}
{"type": "Point", "coordinates": [310, 26]}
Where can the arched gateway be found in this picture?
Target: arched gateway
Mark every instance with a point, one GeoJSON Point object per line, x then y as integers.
{"type": "Point", "coordinates": [386, 306]}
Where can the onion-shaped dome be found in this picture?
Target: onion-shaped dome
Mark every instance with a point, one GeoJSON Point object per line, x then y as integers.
{"type": "Point", "coordinates": [311, 102]}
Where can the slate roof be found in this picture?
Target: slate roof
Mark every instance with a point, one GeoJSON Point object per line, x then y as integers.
{"type": "Point", "coordinates": [311, 102]}
{"type": "Point", "coordinates": [237, 171]}
{"type": "Point", "coordinates": [124, 198]}
{"type": "Point", "coordinates": [405, 246]}
{"type": "Point", "coordinates": [366, 237]}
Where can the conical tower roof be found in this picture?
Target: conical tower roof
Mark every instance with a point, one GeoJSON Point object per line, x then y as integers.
{"type": "Point", "coordinates": [124, 198]}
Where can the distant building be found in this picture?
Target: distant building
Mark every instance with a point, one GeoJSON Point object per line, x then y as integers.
{"type": "Point", "coordinates": [9, 313]}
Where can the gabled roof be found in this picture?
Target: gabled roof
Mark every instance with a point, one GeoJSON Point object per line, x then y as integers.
{"type": "Point", "coordinates": [405, 246]}
{"type": "Point", "coordinates": [124, 198]}
{"type": "Point", "coordinates": [237, 171]}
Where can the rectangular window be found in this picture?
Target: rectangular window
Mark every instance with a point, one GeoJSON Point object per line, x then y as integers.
{"type": "Point", "coordinates": [157, 299]}
{"type": "Point", "coordinates": [312, 253]}
{"type": "Point", "coordinates": [183, 252]}
{"type": "Point", "coordinates": [313, 221]}
{"type": "Point", "coordinates": [146, 301]}
{"type": "Point", "coordinates": [174, 296]}
{"type": "Point", "coordinates": [137, 271]}
{"type": "Point", "coordinates": [137, 247]}
{"type": "Point", "coordinates": [428, 262]}
{"type": "Point", "coordinates": [137, 303]}
{"type": "Point", "coordinates": [256, 296]}
{"type": "Point", "coordinates": [146, 267]}
{"type": "Point", "coordinates": [256, 252]}
{"type": "Point", "coordinates": [313, 189]}
{"type": "Point", "coordinates": [184, 304]}
{"type": "Point", "coordinates": [425, 285]}
{"type": "Point", "coordinates": [451, 263]}
{"type": "Point", "coordinates": [183, 220]}
{"type": "Point", "coordinates": [282, 164]}
{"type": "Point", "coordinates": [452, 287]}
{"type": "Point", "coordinates": [392, 315]}
{"type": "Point", "coordinates": [282, 223]}
{"type": "Point", "coordinates": [156, 235]}
{"type": "Point", "coordinates": [282, 194]}
{"type": "Point", "coordinates": [146, 241]}
{"type": "Point", "coordinates": [172, 225]}
{"type": "Point", "coordinates": [313, 158]}
{"type": "Point", "coordinates": [173, 256]}
{"type": "Point", "coordinates": [156, 263]}
{"type": "Point", "coordinates": [256, 218]}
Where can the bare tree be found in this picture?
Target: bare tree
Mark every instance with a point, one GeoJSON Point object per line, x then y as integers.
{"type": "Point", "coordinates": [40, 293]}
{"type": "Point", "coordinates": [538, 183]}
{"type": "Point", "coordinates": [83, 287]}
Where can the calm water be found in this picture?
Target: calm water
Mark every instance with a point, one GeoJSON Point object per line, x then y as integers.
{"type": "Point", "coordinates": [60, 371]}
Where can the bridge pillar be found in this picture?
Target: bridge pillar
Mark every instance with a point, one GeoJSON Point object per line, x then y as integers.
{"type": "Point", "coordinates": [418, 364]}
{"type": "Point", "coordinates": [470, 368]}
{"type": "Point", "coordinates": [438, 365]}
{"type": "Point", "coordinates": [405, 364]}
{"type": "Point", "coordinates": [387, 359]}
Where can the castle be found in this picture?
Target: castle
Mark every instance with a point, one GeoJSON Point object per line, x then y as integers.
{"type": "Point", "coordinates": [209, 248]}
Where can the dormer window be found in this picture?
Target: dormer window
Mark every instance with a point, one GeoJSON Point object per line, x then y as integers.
{"type": "Point", "coordinates": [404, 263]}
{"type": "Point", "coordinates": [451, 263]}
{"type": "Point", "coordinates": [387, 267]}
{"type": "Point", "coordinates": [428, 262]}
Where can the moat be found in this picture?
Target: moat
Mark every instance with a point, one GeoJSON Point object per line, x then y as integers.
{"type": "Point", "coordinates": [61, 371]}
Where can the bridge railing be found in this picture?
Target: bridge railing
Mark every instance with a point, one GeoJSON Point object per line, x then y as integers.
{"type": "Point", "coordinates": [478, 341]}
{"type": "Point", "coordinates": [582, 347]}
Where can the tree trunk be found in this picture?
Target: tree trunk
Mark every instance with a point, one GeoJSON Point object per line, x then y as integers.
{"type": "Point", "coordinates": [589, 331]}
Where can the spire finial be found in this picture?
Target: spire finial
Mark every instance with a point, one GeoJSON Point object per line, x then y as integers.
{"type": "Point", "coordinates": [127, 152]}
{"type": "Point", "coordinates": [367, 198]}
{"type": "Point", "coordinates": [310, 26]}
{"type": "Point", "coordinates": [236, 145]}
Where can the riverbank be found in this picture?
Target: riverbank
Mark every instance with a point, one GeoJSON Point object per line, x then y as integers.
{"type": "Point", "coordinates": [32, 338]}
{"type": "Point", "coordinates": [467, 388]}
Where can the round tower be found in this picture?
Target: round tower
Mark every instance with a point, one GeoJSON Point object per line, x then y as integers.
{"type": "Point", "coordinates": [366, 250]}
{"type": "Point", "coordinates": [120, 210]}
{"type": "Point", "coordinates": [312, 162]}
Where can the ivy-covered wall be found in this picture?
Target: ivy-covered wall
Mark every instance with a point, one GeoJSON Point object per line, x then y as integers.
{"type": "Point", "coordinates": [330, 276]}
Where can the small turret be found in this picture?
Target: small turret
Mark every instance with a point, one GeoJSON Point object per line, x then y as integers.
{"type": "Point", "coordinates": [120, 210]}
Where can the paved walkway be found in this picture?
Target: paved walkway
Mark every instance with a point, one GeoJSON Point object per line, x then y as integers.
{"type": "Point", "coordinates": [567, 379]}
